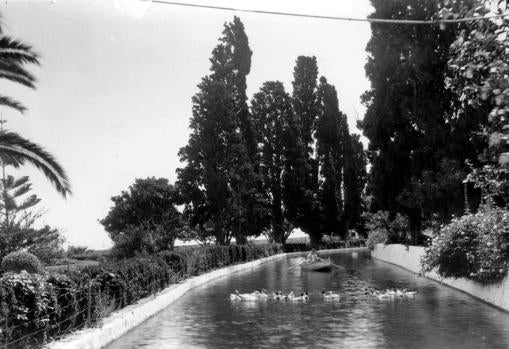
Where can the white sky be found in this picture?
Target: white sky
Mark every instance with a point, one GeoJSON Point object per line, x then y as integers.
{"type": "Point", "coordinates": [114, 89]}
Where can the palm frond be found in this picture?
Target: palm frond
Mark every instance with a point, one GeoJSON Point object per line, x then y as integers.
{"type": "Point", "coordinates": [11, 103]}
{"type": "Point", "coordinates": [15, 147]}
{"type": "Point", "coordinates": [12, 50]}
{"type": "Point", "coordinates": [15, 72]}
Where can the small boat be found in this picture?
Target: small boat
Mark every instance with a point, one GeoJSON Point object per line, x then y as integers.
{"type": "Point", "coordinates": [325, 265]}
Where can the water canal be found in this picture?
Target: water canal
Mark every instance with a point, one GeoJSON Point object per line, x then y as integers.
{"type": "Point", "coordinates": [437, 317]}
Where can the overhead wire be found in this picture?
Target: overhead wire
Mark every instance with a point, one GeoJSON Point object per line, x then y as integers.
{"type": "Point", "coordinates": [337, 18]}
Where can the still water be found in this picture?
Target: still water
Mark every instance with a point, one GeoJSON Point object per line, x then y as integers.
{"type": "Point", "coordinates": [437, 317]}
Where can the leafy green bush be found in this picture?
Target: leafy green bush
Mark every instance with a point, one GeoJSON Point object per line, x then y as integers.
{"type": "Point", "coordinates": [396, 230]}
{"type": "Point", "coordinates": [50, 305]}
{"type": "Point", "coordinates": [474, 246]}
{"type": "Point", "coordinates": [21, 260]}
{"type": "Point", "coordinates": [377, 236]}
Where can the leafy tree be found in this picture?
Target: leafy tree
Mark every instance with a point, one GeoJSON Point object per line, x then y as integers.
{"type": "Point", "coordinates": [20, 234]}
{"type": "Point", "coordinates": [220, 180]}
{"type": "Point", "coordinates": [304, 211]}
{"type": "Point", "coordinates": [355, 163]}
{"type": "Point", "coordinates": [408, 120]}
{"type": "Point", "coordinates": [273, 116]}
{"type": "Point", "coordinates": [331, 137]}
{"type": "Point", "coordinates": [144, 217]}
{"type": "Point", "coordinates": [14, 149]}
{"type": "Point", "coordinates": [478, 77]}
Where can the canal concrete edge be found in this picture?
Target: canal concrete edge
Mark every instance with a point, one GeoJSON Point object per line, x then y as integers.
{"type": "Point", "coordinates": [123, 320]}
{"type": "Point", "coordinates": [409, 258]}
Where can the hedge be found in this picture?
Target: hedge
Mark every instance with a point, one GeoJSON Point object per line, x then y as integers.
{"type": "Point", "coordinates": [35, 308]}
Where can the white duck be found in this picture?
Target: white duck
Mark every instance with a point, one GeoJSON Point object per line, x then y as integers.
{"type": "Point", "coordinates": [234, 297]}
{"type": "Point", "coordinates": [298, 298]}
{"type": "Point", "coordinates": [247, 296]}
{"type": "Point", "coordinates": [330, 295]}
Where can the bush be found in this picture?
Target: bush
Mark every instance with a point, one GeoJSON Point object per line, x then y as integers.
{"type": "Point", "coordinates": [296, 247]}
{"type": "Point", "coordinates": [21, 260]}
{"type": "Point", "coordinates": [396, 229]}
{"type": "Point", "coordinates": [474, 246]}
{"type": "Point", "coordinates": [50, 305]}
{"type": "Point", "coordinates": [378, 236]}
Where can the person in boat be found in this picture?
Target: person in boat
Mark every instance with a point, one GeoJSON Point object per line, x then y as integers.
{"type": "Point", "coordinates": [312, 257]}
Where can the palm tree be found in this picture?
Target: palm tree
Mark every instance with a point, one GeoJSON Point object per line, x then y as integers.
{"type": "Point", "coordinates": [14, 149]}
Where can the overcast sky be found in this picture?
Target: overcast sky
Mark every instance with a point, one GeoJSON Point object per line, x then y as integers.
{"type": "Point", "coordinates": [114, 89]}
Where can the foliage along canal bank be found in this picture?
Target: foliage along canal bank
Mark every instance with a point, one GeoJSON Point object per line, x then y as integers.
{"type": "Point", "coordinates": [410, 259]}
{"type": "Point", "coordinates": [39, 307]}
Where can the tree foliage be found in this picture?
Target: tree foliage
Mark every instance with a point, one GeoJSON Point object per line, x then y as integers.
{"type": "Point", "coordinates": [409, 120]}
{"type": "Point", "coordinates": [144, 217]}
{"type": "Point", "coordinates": [478, 78]}
{"type": "Point", "coordinates": [220, 179]}
{"type": "Point", "coordinates": [13, 199]}
{"type": "Point", "coordinates": [273, 117]}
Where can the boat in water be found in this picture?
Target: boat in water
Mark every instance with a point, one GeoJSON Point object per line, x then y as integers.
{"type": "Point", "coordinates": [323, 265]}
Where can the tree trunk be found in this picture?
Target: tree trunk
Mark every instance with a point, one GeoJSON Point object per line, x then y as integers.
{"type": "Point", "coordinates": [315, 240]}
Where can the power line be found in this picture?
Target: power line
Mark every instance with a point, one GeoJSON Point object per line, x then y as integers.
{"type": "Point", "coordinates": [336, 18]}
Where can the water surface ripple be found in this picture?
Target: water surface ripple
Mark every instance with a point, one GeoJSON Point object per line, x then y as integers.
{"type": "Point", "coordinates": [437, 317]}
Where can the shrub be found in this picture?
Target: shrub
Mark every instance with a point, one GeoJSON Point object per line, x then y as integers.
{"type": "Point", "coordinates": [296, 247]}
{"type": "Point", "coordinates": [21, 260]}
{"type": "Point", "coordinates": [474, 246]}
{"type": "Point", "coordinates": [38, 307]}
{"type": "Point", "coordinates": [395, 229]}
{"type": "Point", "coordinates": [377, 236]}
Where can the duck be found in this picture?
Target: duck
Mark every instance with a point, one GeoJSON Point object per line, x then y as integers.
{"type": "Point", "coordinates": [298, 298]}
{"type": "Point", "coordinates": [262, 295]}
{"type": "Point", "coordinates": [277, 296]}
{"type": "Point", "coordinates": [410, 293]}
{"type": "Point", "coordinates": [305, 296]}
{"type": "Point", "coordinates": [330, 295]}
{"type": "Point", "coordinates": [247, 296]}
{"type": "Point", "coordinates": [290, 296]}
{"type": "Point", "coordinates": [234, 297]}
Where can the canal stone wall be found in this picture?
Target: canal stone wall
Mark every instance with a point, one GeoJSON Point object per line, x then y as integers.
{"type": "Point", "coordinates": [410, 259]}
{"type": "Point", "coordinates": [123, 320]}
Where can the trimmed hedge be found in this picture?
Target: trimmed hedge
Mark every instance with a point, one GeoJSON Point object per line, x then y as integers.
{"type": "Point", "coordinates": [21, 260]}
{"type": "Point", "coordinates": [35, 309]}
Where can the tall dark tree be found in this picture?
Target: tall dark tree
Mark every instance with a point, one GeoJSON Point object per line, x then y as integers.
{"type": "Point", "coordinates": [221, 179]}
{"type": "Point", "coordinates": [272, 113]}
{"type": "Point", "coordinates": [331, 136]}
{"type": "Point", "coordinates": [305, 212]}
{"type": "Point", "coordinates": [407, 120]}
{"type": "Point", "coordinates": [355, 163]}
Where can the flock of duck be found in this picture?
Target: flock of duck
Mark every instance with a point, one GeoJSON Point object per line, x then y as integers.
{"type": "Point", "coordinates": [390, 293]}
{"type": "Point", "coordinates": [263, 295]}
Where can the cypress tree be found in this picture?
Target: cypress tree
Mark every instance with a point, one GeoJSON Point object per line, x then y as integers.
{"type": "Point", "coordinates": [275, 126]}
{"type": "Point", "coordinates": [220, 180]}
